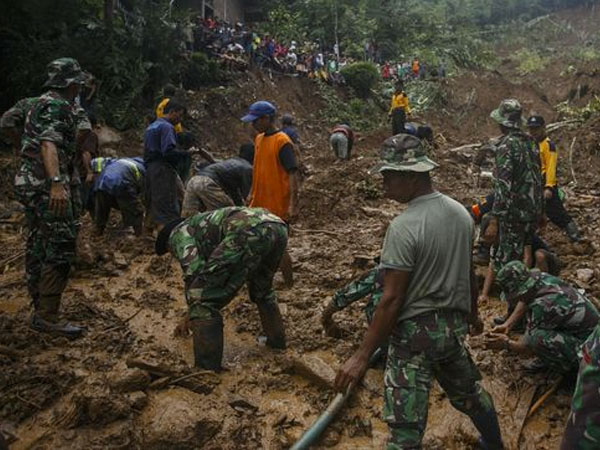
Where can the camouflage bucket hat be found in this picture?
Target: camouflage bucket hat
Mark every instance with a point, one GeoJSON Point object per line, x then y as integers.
{"type": "Point", "coordinates": [508, 113]}
{"type": "Point", "coordinates": [515, 280]}
{"type": "Point", "coordinates": [404, 153]}
{"type": "Point", "coordinates": [65, 71]}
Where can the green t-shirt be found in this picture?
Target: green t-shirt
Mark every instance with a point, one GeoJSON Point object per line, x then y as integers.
{"type": "Point", "coordinates": [432, 239]}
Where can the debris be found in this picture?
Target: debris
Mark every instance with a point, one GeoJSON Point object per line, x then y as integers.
{"type": "Point", "coordinates": [585, 275]}
{"type": "Point", "coordinates": [314, 369]}
{"type": "Point", "coordinates": [129, 380]}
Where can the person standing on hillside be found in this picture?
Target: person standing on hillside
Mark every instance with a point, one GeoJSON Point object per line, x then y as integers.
{"type": "Point", "coordinates": [42, 185]}
{"type": "Point", "coordinates": [168, 94]}
{"type": "Point", "coordinates": [399, 109]}
{"type": "Point", "coordinates": [162, 156]}
{"type": "Point", "coordinates": [555, 209]}
{"type": "Point", "coordinates": [429, 301]}
{"type": "Point", "coordinates": [518, 204]}
{"type": "Point", "coordinates": [275, 176]}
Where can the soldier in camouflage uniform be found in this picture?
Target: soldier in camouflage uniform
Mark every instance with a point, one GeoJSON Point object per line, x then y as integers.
{"type": "Point", "coordinates": [517, 188]}
{"type": "Point", "coordinates": [558, 318]}
{"type": "Point", "coordinates": [42, 186]}
{"type": "Point", "coordinates": [429, 300]}
{"type": "Point", "coordinates": [219, 251]}
{"type": "Point", "coordinates": [371, 283]}
{"type": "Point", "coordinates": [583, 425]}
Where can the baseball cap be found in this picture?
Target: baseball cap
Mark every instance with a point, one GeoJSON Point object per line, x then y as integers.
{"type": "Point", "coordinates": [535, 122]}
{"type": "Point", "coordinates": [405, 153]}
{"type": "Point", "coordinates": [258, 110]}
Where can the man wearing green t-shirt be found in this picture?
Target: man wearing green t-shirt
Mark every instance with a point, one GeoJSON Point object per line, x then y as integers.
{"type": "Point", "coordinates": [429, 300]}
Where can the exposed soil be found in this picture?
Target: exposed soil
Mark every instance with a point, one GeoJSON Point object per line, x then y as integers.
{"type": "Point", "coordinates": [129, 383]}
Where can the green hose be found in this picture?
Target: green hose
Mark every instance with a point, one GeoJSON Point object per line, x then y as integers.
{"type": "Point", "coordinates": [311, 435]}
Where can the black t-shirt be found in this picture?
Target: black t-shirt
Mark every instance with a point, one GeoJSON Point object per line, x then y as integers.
{"type": "Point", "coordinates": [234, 175]}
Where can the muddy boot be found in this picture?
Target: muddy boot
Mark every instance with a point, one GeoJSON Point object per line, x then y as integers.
{"type": "Point", "coordinates": [487, 424]}
{"type": "Point", "coordinates": [208, 342]}
{"type": "Point", "coordinates": [45, 318]}
{"type": "Point", "coordinates": [272, 324]}
{"type": "Point", "coordinates": [573, 232]}
{"type": "Point", "coordinates": [285, 265]}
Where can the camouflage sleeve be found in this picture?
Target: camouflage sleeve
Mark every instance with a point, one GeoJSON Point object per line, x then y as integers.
{"type": "Point", "coordinates": [56, 120]}
{"type": "Point", "coordinates": [183, 245]}
{"type": "Point", "coordinates": [82, 119]}
{"type": "Point", "coordinates": [13, 118]}
{"type": "Point", "coordinates": [365, 285]}
{"type": "Point", "coordinates": [503, 180]}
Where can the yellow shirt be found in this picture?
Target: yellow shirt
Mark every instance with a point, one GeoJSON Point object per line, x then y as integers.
{"type": "Point", "coordinates": [548, 160]}
{"type": "Point", "coordinates": [400, 101]}
{"type": "Point", "coordinates": [160, 112]}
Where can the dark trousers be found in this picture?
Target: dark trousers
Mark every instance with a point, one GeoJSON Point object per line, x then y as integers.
{"type": "Point", "coordinates": [556, 212]}
{"type": "Point", "coordinates": [162, 201]}
{"type": "Point", "coordinates": [131, 209]}
{"type": "Point", "coordinates": [398, 121]}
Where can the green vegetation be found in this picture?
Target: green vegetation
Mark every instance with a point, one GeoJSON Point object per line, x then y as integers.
{"type": "Point", "coordinates": [362, 77]}
{"type": "Point", "coordinates": [529, 61]}
{"type": "Point", "coordinates": [133, 52]}
{"type": "Point", "coordinates": [592, 109]}
{"type": "Point", "coordinates": [361, 114]}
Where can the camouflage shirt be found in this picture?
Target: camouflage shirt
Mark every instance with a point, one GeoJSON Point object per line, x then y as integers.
{"type": "Point", "coordinates": [15, 116]}
{"type": "Point", "coordinates": [371, 283]}
{"type": "Point", "coordinates": [518, 182]}
{"type": "Point", "coordinates": [50, 118]}
{"type": "Point", "coordinates": [560, 307]}
{"type": "Point", "coordinates": [193, 242]}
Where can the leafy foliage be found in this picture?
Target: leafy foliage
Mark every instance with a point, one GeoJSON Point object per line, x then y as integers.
{"type": "Point", "coordinates": [529, 61]}
{"type": "Point", "coordinates": [132, 57]}
{"type": "Point", "coordinates": [362, 77]}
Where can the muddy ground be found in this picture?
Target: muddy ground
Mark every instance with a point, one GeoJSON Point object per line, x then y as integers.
{"type": "Point", "coordinates": [129, 383]}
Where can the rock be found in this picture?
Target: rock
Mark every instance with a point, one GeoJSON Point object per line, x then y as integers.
{"type": "Point", "coordinates": [120, 261]}
{"type": "Point", "coordinates": [585, 275]}
{"type": "Point", "coordinates": [314, 369]}
{"type": "Point", "coordinates": [107, 136]}
{"type": "Point", "coordinates": [138, 400]}
{"type": "Point", "coordinates": [242, 405]}
{"type": "Point", "coordinates": [175, 419]}
{"type": "Point", "coordinates": [129, 380]}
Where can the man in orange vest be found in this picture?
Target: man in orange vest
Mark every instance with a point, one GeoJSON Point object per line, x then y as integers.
{"type": "Point", "coordinates": [275, 176]}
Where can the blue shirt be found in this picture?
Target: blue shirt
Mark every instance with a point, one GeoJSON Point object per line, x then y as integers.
{"type": "Point", "coordinates": [121, 177]}
{"type": "Point", "coordinates": [159, 139]}
{"type": "Point", "coordinates": [292, 134]}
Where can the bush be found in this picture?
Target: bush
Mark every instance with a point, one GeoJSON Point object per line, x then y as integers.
{"type": "Point", "coordinates": [529, 61]}
{"type": "Point", "coordinates": [200, 71]}
{"type": "Point", "coordinates": [362, 77]}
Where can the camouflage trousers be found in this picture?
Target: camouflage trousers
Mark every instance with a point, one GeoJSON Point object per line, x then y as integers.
{"type": "Point", "coordinates": [50, 247]}
{"type": "Point", "coordinates": [583, 425]}
{"type": "Point", "coordinates": [422, 348]}
{"type": "Point", "coordinates": [252, 257]}
{"type": "Point", "coordinates": [557, 350]}
{"type": "Point", "coordinates": [512, 239]}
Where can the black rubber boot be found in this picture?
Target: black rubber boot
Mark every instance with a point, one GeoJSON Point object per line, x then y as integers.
{"type": "Point", "coordinates": [487, 424]}
{"type": "Point", "coordinates": [208, 343]}
{"type": "Point", "coordinates": [573, 232]}
{"type": "Point", "coordinates": [272, 324]}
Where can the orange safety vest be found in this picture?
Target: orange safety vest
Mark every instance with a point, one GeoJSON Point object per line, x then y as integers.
{"type": "Point", "coordinates": [270, 181]}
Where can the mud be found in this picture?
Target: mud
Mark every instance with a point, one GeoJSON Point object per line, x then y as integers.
{"type": "Point", "coordinates": [129, 383]}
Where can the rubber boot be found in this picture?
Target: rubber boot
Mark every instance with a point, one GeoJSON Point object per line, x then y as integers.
{"type": "Point", "coordinates": [573, 232]}
{"type": "Point", "coordinates": [272, 324]}
{"type": "Point", "coordinates": [487, 424]}
{"type": "Point", "coordinates": [45, 318]}
{"type": "Point", "coordinates": [208, 342]}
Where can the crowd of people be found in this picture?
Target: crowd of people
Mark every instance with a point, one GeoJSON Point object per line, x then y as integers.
{"type": "Point", "coordinates": [239, 46]}
{"type": "Point", "coordinates": [228, 223]}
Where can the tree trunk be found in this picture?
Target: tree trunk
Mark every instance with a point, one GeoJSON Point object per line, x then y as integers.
{"type": "Point", "coordinates": [109, 9]}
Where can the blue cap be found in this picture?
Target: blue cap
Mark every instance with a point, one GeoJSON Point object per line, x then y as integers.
{"type": "Point", "coordinates": [258, 110]}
